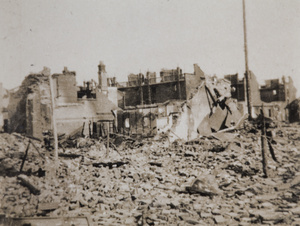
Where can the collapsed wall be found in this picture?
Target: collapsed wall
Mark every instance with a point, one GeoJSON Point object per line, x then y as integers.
{"type": "Point", "coordinates": [209, 109]}
{"type": "Point", "coordinates": [29, 106]}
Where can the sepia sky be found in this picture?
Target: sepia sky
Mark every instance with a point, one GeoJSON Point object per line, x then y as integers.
{"type": "Point", "coordinates": [132, 36]}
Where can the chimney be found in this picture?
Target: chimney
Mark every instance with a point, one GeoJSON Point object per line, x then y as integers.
{"type": "Point", "coordinates": [102, 78]}
{"type": "Point", "coordinates": [65, 70]}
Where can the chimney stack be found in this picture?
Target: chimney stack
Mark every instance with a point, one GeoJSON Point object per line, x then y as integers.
{"type": "Point", "coordinates": [102, 78]}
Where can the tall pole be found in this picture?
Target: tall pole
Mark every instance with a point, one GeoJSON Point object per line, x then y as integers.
{"type": "Point", "coordinates": [53, 119]}
{"type": "Point", "coordinates": [264, 143]}
{"type": "Point", "coordinates": [107, 144]}
{"type": "Point", "coordinates": [247, 74]}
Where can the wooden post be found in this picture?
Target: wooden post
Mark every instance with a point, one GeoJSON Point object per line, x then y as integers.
{"type": "Point", "coordinates": [25, 156]}
{"type": "Point", "coordinates": [247, 74]}
{"type": "Point", "coordinates": [136, 128]}
{"type": "Point", "coordinates": [53, 119]}
{"type": "Point", "coordinates": [107, 145]}
{"type": "Point", "coordinates": [150, 123]}
{"type": "Point", "coordinates": [264, 143]}
{"type": "Point", "coordinates": [143, 120]}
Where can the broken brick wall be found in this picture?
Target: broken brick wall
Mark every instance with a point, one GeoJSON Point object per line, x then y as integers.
{"type": "Point", "coordinates": [38, 111]}
{"type": "Point", "coordinates": [290, 89]}
{"type": "Point", "coordinates": [38, 115]}
{"type": "Point", "coordinates": [192, 81]}
{"type": "Point", "coordinates": [17, 106]}
{"type": "Point", "coordinates": [64, 87]}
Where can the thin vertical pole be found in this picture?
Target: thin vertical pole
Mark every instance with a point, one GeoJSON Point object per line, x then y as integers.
{"type": "Point", "coordinates": [264, 143]}
{"type": "Point", "coordinates": [143, 118]}
{"type": "Point", "coordinates": [107, 145]}
{"type": "Point", "coordinates": [150, 123]}
{"type": "Point", "coordinates": [247, 74]}
{"type": "Point", "coordinates": [135, 121]}
{"type": "Point", "coordinates": [178, 83]}
{"type": "Point", "coordinates": [53, 119]}
{"type": "Point", "coordinates": [25, 156]}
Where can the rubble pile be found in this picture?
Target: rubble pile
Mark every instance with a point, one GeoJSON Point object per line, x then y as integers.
{"type": "Point", "coordinates": [210, 180]}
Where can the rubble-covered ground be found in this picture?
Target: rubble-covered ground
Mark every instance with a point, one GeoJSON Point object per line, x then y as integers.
{"type": "Point", "coordinates": [204, 182]}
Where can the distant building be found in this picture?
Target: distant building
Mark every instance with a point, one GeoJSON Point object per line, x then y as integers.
{"type": "Point", "coordinates": [276, 90]}
{"type": "Point", "coordinates": [274, 94]}
{"type": "Point", "coordinates": [279, 93]}
{"type": "Point", "coordinates": [148, 99]}
{"type": "Point", "coordinates": [238, 91]}
{"type": "Point", "coordinates": [149, 89]}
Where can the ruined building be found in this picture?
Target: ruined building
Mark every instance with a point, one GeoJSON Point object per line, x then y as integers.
{"type": "Point", "coordinates": [276, 90]}
{"type": "Point", "coordinates": [149, 89]}
{"type": "Point", "coordinates": [238, 92]}
{"type": "Point", "coordinates": [274, 94]}
{"type": "Point", "coordinates": [278, 94]}
{"type": "Point", "coordinates": [176, 103]}
{"type": "Point", "coordinates": [184, 104]}
{"type": "Point", "coordinates": [77, 109]}
{"type": "Point", "coordinates": [29, 106]}
{"type": "Point", "coordinates": [146, 97]}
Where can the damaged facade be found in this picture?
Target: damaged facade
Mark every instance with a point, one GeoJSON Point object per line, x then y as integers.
{"type": "Point", "coordinates": [186, 105]}
{"type": "Point", "coordinates": [77, 109]}
{"type": "Point", "coordinates": [179, 104]}
{"type": "Point", "coordinates": [151, 103]}
{"type": "Point", "coordinates": [278, 94]}
{"type": "Point", "coordinates": [275, 95]}
{"type": "Point", "coordinates": [85, 109]}
{"type": "Point", "coordinates": [238, 92]}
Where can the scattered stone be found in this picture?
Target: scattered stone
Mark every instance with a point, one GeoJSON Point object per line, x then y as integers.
{"type": "Point", "coordinates": [147, 182]}
{"type": "Point", "coordinates": [219, 219]}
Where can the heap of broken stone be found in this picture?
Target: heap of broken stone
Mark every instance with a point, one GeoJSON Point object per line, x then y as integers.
{"type": "Point", "coordinates": [212, 180]}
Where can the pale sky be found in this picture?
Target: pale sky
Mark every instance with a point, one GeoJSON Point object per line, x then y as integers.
{"type": "Point", "coordinates": [132, 36]}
